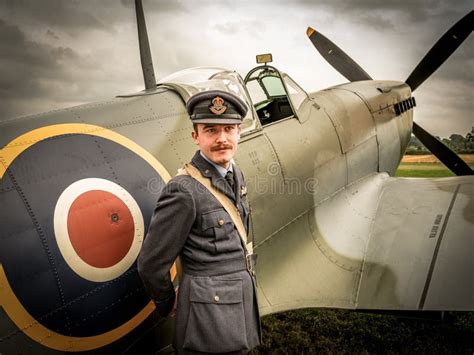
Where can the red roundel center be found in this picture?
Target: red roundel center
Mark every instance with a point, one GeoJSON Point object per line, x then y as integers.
{"type": "Point", "coordinates": [100, 228]}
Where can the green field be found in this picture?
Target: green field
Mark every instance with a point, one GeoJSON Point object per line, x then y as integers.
{"type": "Point", "coordinates": [340, 331]}
{"type": "Point", "coordinates": [427, 169]}
{"type": "Point", "coordinates": [424, 170]}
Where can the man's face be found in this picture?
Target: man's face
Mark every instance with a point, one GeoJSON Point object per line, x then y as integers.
{"type": "Point", "coordinates": [218, 142]}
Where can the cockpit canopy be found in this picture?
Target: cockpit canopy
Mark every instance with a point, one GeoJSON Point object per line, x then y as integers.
{"type": "Point", "coordinates": [268, 94]}
{"type": "Point", "coordinates": [275, 95]}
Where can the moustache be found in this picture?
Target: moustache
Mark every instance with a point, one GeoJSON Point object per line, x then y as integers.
{"type": "Point", "coordinates": [221, 147]}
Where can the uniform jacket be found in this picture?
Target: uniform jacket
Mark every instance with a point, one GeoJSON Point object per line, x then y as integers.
{"type": "Point", "coordinates": [217, 308]}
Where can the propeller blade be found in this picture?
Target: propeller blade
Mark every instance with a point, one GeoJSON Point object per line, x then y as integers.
{"type": "Point", "coordinates": [441, 51]}
{"type": "Point", "coordinates": [145, 53]}
{"type": "Point", "coordinates": [443, 153]}
{"type": "Point", "coordinates": [336, 57]}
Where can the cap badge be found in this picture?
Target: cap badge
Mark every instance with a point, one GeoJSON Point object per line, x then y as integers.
{"type": "Point", "coordinates": [218, 106]}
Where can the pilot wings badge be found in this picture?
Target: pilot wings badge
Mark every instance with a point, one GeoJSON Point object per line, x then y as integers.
{"type": "Point", "coordinates": [218, 107]}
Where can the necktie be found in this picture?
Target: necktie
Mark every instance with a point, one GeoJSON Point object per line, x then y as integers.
{"type": "Point", "coordinates": [229, 177]}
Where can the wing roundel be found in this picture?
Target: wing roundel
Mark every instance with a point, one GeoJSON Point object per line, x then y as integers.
{"type": "Point", "coordinates": [79, 199]}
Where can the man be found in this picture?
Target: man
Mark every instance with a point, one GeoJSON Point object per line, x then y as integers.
{"type": "Point", "coordinates": [216, 309]}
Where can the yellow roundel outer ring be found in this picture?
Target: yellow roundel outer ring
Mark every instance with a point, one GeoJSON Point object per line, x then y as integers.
{"type": "Point", "coordinates": [21, 143]}
{"type": "Point", "coordinates": [44, 336]}
{"type": "Point", "coordinates": [10, 303]}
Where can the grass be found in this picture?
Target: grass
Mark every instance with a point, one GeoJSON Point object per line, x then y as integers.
{"type": "Point", "coordinates": [339, 331]}
{"type": "Point", "coordinates": [423, 170]}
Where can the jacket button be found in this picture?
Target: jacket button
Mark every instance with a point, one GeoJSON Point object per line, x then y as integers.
{"type": "Point", "coordinates": [216, 298]}
{"type": "Point", "coordinates": [221, 222]}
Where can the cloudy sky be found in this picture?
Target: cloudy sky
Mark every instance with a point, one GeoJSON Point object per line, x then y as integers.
{"type": "Point", "coordinates": [60, 53]}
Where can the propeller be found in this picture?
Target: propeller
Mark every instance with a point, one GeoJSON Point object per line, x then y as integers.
{"type": "Point", "coordinates": [441, 51]}
{"type": "Point", "coordinates": [336, 57]}
{"type": "Point", "coordinates": [436, 56]}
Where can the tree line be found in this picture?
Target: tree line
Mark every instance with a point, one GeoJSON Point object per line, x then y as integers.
{"type": "Point", "coordinates": [456, 142]}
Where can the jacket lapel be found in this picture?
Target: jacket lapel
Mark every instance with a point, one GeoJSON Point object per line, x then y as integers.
{"type": "Point", "coordinates": [209, 171]}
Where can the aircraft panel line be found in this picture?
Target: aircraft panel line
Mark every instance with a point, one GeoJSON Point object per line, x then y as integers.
{"type": "Point", "coordinates": [436, 251]}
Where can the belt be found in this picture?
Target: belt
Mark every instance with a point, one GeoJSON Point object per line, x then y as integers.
{"type": "Point", "coordinates": [221, 267]}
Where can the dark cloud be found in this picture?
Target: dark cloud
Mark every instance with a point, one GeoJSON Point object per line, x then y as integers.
{"type": "Point", "coordinates": [159, 6]}
{"type": "Point", "coordinates": [31, 72]}
{"type": "Point", "coordinates": [74, 18]}
{"type": "Point", "coordinates": [459, 66]}
{"type": "Point", "coordinates": [34, 60]}
{"type": "Point", "coordinates": [55, 13]}
{"type": "Point", "coordinates": [412, 11]}
{"type": "Point", "coordinates": [51, 34]}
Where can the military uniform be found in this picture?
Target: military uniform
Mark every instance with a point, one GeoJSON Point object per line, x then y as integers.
{"type": "Point", "coordinates": [217, 309]}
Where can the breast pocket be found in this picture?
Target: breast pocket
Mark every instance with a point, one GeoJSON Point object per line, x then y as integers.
{"type": "Point", "coordinates": [216, 321]}
{"type": "Point", "coordinates": [222, 228]}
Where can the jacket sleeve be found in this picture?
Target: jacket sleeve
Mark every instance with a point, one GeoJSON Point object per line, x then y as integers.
{"type": "Point", "coordinates": [169, 228]}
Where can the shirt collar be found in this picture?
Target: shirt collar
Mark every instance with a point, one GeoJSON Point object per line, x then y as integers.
{"type": "Point", "coordinates": [222, 171]}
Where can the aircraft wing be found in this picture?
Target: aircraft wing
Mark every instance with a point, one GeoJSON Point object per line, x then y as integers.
{"type": "Point", "coordinates": [381, 243]}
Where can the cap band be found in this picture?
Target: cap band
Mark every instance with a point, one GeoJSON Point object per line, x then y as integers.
{"type": "Point", "coordinates": [216, 106]}
{"type": "Point", "coordinates": [198, 116]}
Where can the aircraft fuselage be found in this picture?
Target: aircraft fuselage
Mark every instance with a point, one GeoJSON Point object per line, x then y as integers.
{"type": "Point", "coordinates": [338, 136]}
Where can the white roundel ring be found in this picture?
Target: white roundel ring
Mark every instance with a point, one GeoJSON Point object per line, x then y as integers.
{"type": "Point", "coordinates": [99, 228]}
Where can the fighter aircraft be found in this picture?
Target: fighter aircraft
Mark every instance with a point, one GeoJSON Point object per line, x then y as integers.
{"type": "Point", "coordinates": [331, 225]}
